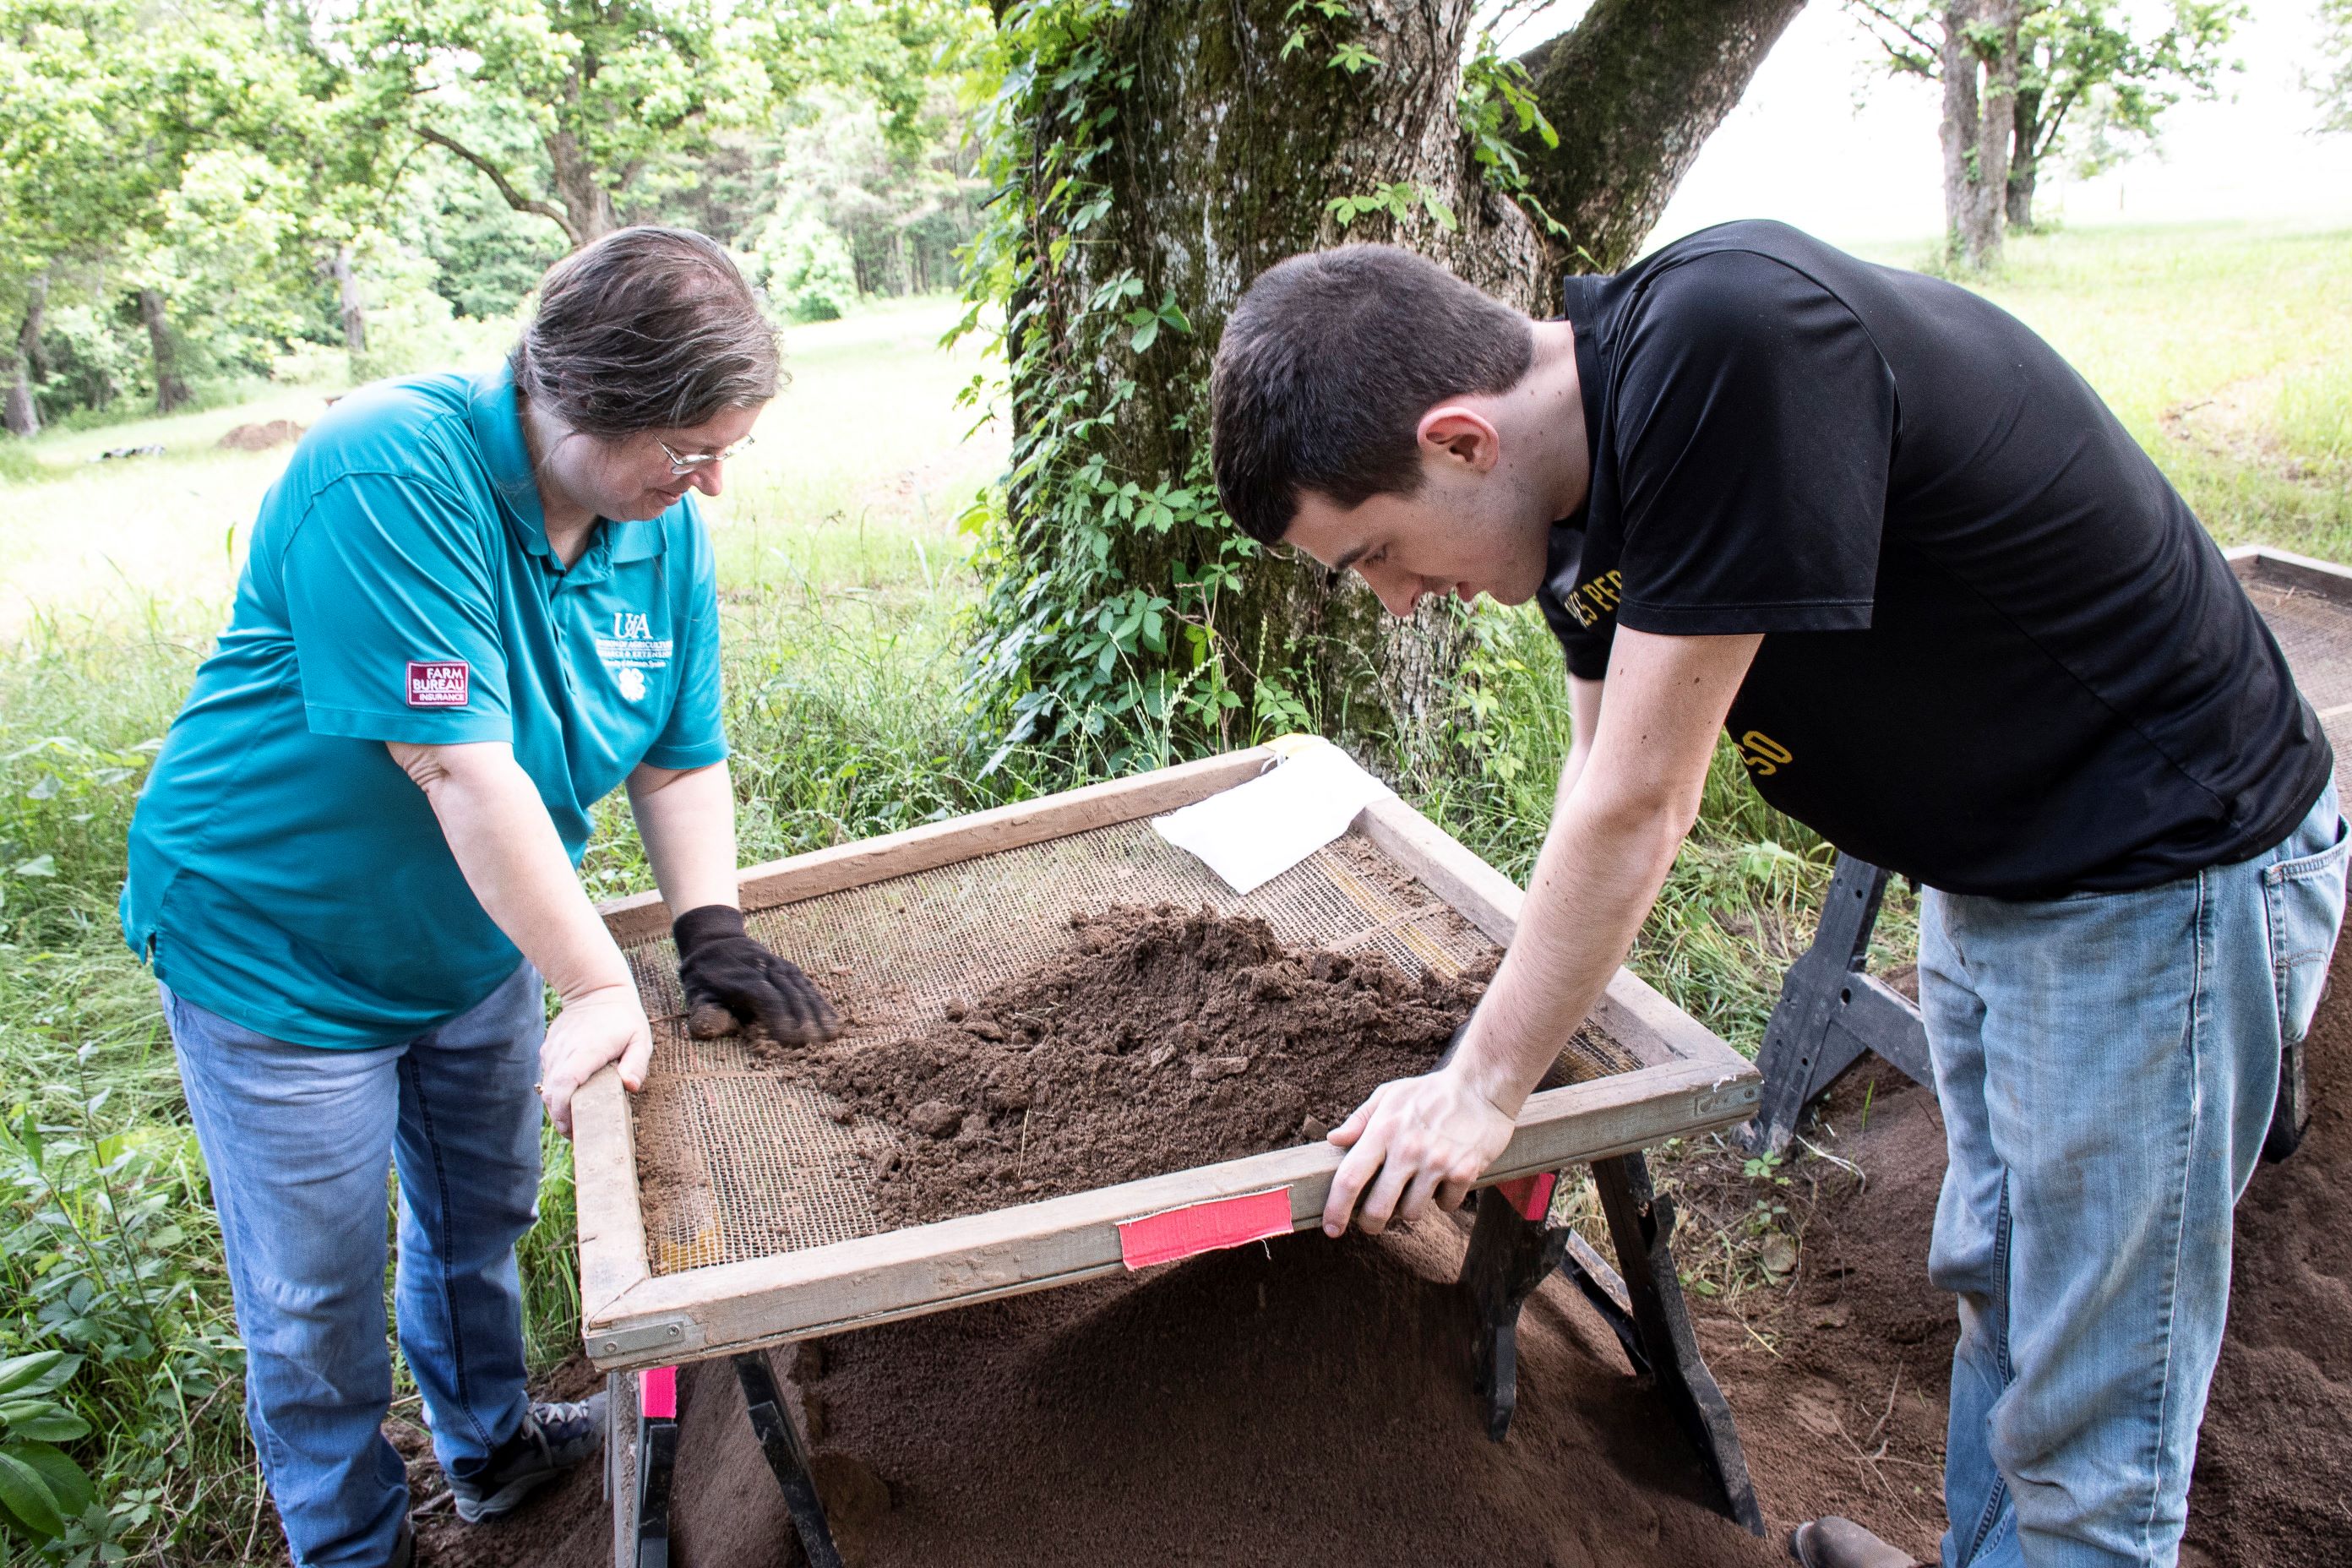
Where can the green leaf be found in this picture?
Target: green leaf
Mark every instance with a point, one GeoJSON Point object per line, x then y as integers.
{"type": "Point", "coordinates": [39, 865]}
{"type": "Point", "coordinates": [43, 1371]}
{"type": "Point", "coordinates": [55, 1426]}
{"type": "Point", "coordinates": [25, 1493]}
{"type": "Point", "coordinates": [67, 1483]}
{"type": "Point", "coordinates": [1439, 210]}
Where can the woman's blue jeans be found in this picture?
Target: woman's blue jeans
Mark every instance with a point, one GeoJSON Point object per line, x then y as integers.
{"type": "Point", "coordinates": [298, 1142]}
{"type": "Point", "coordinates": [2107, 1065]}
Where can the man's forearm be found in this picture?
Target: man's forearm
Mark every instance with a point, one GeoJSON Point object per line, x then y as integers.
{"type": "Point", "coordinates": [498, 830]}
{"type": "Point", "coordinates": [1599, 870]}
{"type": "Point", "coordinates": [688, 822]}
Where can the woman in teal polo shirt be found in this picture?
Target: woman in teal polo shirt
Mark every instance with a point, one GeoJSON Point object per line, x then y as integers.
{"type": "Point", "coordinates": [474, 606]}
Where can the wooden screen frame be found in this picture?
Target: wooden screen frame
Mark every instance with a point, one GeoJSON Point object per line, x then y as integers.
{"type": "Point", "coordinates": [1689, 1082]}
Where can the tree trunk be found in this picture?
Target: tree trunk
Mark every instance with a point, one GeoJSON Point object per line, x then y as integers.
{"type": "Point", "coordinates": [584, 196]}
{"type": "Point", "coordinates": [171, 392]}
{"type": "Point", "coordinates": [1635, 91]}
{"type": "Point", "coordinates": [1978, 66]}
{"type": "Point", "coordinates": [22, 415]}
{"type": "Point", "coordinates": [2025, 164]}
{"type": "Point", "coordinates": [1229, 131]}
{"type": "Point", "coordinates": [352, 306]}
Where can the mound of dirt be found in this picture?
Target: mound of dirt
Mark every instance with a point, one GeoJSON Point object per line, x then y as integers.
{"type": "Point", "coordinates": [1159, 1039]}
{"type": "Point", "coordinates": [1304, 1404]}
{"type": "Point", "coordinates": [260, 437]}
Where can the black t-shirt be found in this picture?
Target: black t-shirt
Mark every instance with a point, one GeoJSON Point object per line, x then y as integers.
{"type": "Point", "coordinates": [2000, 656]}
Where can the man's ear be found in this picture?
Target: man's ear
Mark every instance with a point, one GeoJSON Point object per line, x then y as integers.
{"type": "Point", "coordinates": [1458, 435]}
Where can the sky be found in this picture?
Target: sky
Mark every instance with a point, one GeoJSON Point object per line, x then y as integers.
{"type": "Point", "coordinates": [1797, 148]}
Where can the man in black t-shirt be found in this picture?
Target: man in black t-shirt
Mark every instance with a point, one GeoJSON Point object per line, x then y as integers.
{"type": "Point", "coordinates": [1955, 620]}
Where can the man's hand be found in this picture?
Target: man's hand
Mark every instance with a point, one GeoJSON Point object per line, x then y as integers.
{"type": "Point", "coordinates": [606, 1025]}
{"type": "Point", "coordinates": [720, 967]}
{"type": "Point", "coordinates": [1415, 1137]}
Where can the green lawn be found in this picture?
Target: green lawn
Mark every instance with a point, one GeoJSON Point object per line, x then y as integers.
{"type": "Point", "coordinates": [844, 577]}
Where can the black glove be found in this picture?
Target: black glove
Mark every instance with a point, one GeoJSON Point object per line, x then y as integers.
{"type": "Point", "coordinates": [722, 970]}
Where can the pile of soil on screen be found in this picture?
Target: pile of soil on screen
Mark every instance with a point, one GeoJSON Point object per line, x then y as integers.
{"type": "Point", "coordinates": [1308, 1403]}
{"type": "Point", "coordinates": [1159, 1040]}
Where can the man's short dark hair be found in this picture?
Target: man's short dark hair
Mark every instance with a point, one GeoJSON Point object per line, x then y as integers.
{"type": "Point", "coordinates": [1326, 366]}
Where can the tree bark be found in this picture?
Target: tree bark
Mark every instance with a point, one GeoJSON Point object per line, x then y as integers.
{"type": "Point", "coordinates": [352, 307]}
{"type": "Point", "coordinates": [171, 392]}
{"type": "Point", "coordinates": [1229, 142]}
{"type": "Point", "coordinates": [1635, 91]}
{"type": "Point", "coordinates": [21, 415]}
{"type": "Point", "coordinates": [1979, 69]}
{"type": "Point", "coordinates": [586, 200]}
{"type": "Point", "coordinates": [2024, 160]}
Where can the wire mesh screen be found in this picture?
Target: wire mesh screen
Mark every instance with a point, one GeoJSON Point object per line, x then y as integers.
{"type": "Point", "coordinates": [735, 1162]}
{"type": "Point", "coordinates": [2316, 631]}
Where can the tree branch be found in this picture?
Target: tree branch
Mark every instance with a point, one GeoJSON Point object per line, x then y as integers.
{"type": "Point", "coordinates": [1635, 90]}
{"type": "Point", "coordinates": [2057, 118]}
{"type": "Point", "coordinates": [514, 198]}
{"type": "Point", "coordinates": [1888, 18]}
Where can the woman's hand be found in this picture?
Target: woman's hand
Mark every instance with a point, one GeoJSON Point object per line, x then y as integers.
{"type": "Point", "coordinates": [731, 979]}
{"type": "Point", "coordinates": [599, 1026]}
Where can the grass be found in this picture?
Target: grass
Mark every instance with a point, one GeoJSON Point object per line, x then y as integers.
{"type": "Point", "coordinates": [845, 580]}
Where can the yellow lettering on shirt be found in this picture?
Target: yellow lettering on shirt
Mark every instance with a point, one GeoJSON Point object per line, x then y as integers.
{"type": "Point", "coordinates": [1762, 754]}
{"type": "Point", "coordinates": [1592, 600]}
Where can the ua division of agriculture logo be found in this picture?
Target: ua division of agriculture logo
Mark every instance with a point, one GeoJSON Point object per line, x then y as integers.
{"type": "Point", "coordinates": [631, 650]}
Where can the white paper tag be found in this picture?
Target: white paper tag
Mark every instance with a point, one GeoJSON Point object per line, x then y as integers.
{"type": "Point", "coordinates": [1252, 833]}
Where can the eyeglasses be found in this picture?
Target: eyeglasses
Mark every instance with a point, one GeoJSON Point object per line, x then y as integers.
{"type": "Point", "coordinates": [687, 465]}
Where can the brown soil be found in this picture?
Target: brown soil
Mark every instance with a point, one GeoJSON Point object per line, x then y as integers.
{"type": "Point", "coordinates": [1301, 1403]}
{"type": "Point", "coordinates": [1158, 1040]}
{"type": "Point", "coordinates": [1307, 1402]}
{"type": "Point", "coordinates": [261, 437]}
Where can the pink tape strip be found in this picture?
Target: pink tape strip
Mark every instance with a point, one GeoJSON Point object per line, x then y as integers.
{"type": "Point", "coordinates": [657, 1392]}
{"type": "Point", "coordinates": [1171, 1234]}
{"type": "Point", "coordinates": [1531, 1195]}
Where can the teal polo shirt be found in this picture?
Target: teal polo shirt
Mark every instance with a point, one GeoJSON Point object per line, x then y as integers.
{"type": "Point", "coordinates": [285, 873]}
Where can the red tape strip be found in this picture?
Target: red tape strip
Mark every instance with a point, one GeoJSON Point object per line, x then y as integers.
{"type": "Point", "coordinates": [658, 1393]}
{"type": "Point", "coordinates": [1531, 1195]}
{"type": "Point", "coordinates": [1171, 1234]}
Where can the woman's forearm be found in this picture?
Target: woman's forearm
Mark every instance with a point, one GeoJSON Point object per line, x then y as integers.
{"type": "Point", "coordinates": [500, 832]}
{"type": "Point", "coordinates": [688, 822]}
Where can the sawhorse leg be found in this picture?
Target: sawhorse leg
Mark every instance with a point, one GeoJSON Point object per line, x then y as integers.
{"type": "Point", "coordinates": [657, 1461]}
{"type": "Point", "coordinates": [1830, 1013]}
{"type": "Point", "coordinates": [780, 1440]}
{"type": "Point", "coordinates": [644, 1532]}
{"type": "Point", "coordinates": [1512, 1249]}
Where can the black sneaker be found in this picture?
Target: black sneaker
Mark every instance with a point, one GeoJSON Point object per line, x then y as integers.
{"type": "Point", "coordinates": [551, 1439]}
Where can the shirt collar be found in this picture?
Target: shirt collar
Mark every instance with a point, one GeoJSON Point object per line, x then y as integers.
{"type": "Point", "coordinates": [1580, 300]}
{"type": "Point", "coordinates": [498, 429]}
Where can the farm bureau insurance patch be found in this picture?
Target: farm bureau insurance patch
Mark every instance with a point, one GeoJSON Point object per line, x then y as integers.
{"type": "Point", "coordinates": [440, 684]}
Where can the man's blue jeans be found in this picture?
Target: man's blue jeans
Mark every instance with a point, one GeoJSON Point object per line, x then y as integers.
{"type": "Point", "coordinates": [2107, 1065]}
{"type": "Point", "coordinates": [298, 1142]}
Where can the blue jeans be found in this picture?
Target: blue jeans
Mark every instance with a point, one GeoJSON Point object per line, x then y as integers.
{"type": "Point", "coordinates": [298, 1141]}
{"type": "Point", "coordinates": [2107, 1065]}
